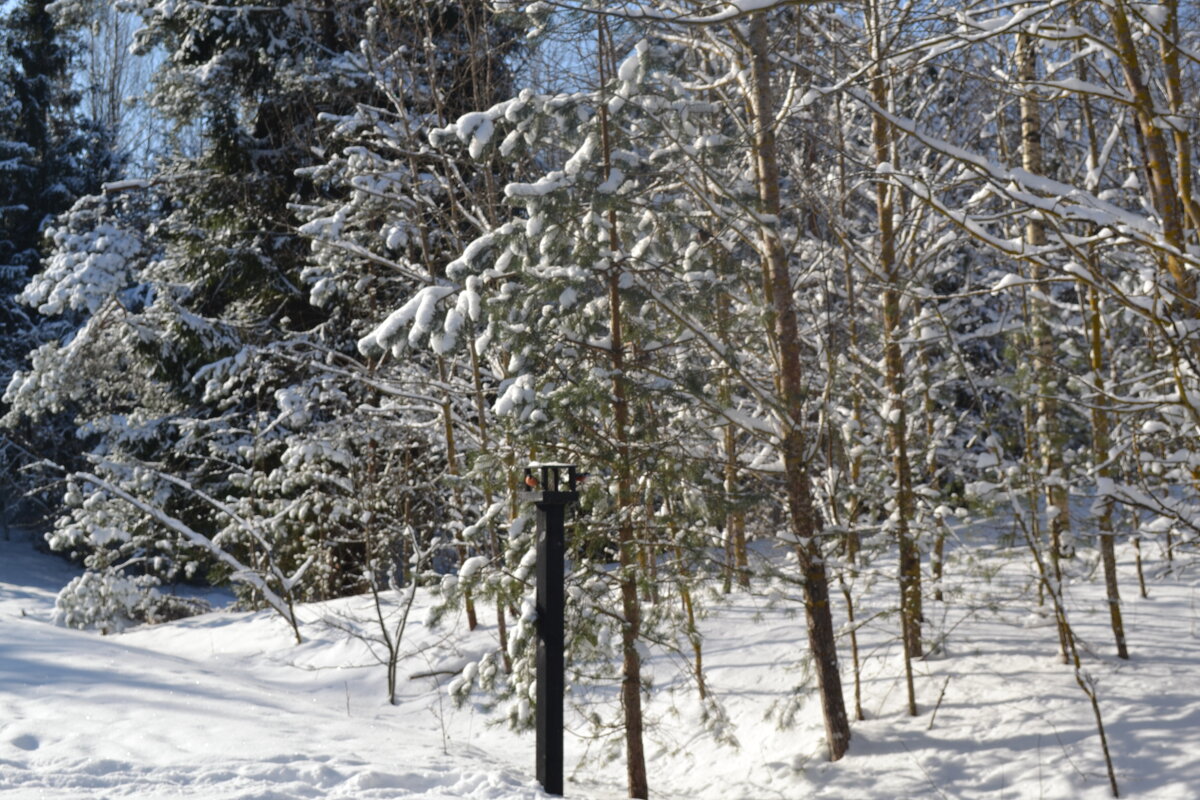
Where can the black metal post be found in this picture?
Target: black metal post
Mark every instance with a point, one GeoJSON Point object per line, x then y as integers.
{"type": "Point", "coordinates": [552, 495]}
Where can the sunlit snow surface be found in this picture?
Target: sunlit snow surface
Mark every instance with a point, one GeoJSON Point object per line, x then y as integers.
{"type": "Point", "coordinates": [227, 706]}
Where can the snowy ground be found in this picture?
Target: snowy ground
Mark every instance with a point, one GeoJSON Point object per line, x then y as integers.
{"type": "Point", "coordinates": [227, 706]}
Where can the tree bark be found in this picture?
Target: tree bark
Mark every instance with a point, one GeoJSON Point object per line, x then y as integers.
{"type": "Point", "coordinates": [1101, 424]}
{"type": "Point", "coordinates": [1100, 449]}
{"type": "Point", "coordinates": [805, 523]}
{"type": "Point", "coordinates": [894, 366]}
{"type": "Point", "coordinates": [1164, 190]}
{"type": "Point", "coordinates": [452, 468]}
{"type": "Point", "coordinates": [631, 680]}
{"type": "Point", "coordinates": [1049, 434]}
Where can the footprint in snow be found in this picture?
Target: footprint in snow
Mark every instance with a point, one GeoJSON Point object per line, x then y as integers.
{"type": "Point", "coordinates": [25, 741]}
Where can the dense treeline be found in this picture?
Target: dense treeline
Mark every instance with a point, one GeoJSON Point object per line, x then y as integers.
{"type": "Point", "coordinates": [800, 288]}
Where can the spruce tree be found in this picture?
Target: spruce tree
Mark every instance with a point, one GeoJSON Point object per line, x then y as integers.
{"type": "Point", "coordinates": [223, 386]}
{"type": "Point", "coordinates": [49, 156]}
{"type": "Point", "coordinates": [182, 290]}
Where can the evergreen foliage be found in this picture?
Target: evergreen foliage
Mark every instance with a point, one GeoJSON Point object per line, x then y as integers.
{"type": "Point", "coordinates": [795, 297]}
{"type": "Point", "coordinates": [49, 156]}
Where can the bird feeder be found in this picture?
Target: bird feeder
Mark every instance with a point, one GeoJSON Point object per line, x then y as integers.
{"type": "Point", "coordinates": [551, 487]}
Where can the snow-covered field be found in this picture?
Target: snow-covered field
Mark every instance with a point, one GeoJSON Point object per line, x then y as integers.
{"type": "Point", "coordinates": [227, 706]}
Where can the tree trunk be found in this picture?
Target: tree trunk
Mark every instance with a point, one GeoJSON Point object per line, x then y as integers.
{"type": "Point", "coordinates": [493, 540]}
{"type": "Point", "coordinates": [1100, 449]}
{"type": "Point", "coordinates": [1168, 49]}
{"type": "Point", "coordinates": [736, 561]}
{"type": "Point", "coordinates": [790, 383]}
{"type": "Point", "coordinates": [1049, 434]}
{"type": "Point", "coordinates": [1164, 190]}
{"type": "Point", "coordinates": [897, 416]}
{"type": "Point", "coordinates": [1101, 425]}
{"type": "Point", "coordinates": [452, 468]}
{"type": "Point", "coordinates": [631, 679]}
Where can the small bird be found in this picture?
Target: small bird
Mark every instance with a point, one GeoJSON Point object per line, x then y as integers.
{"type": "Point", "coordinates": [531, 481]}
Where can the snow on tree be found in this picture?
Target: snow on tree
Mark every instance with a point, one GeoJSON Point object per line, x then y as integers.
{"type": "Point", "coordinates": [49, 155]}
